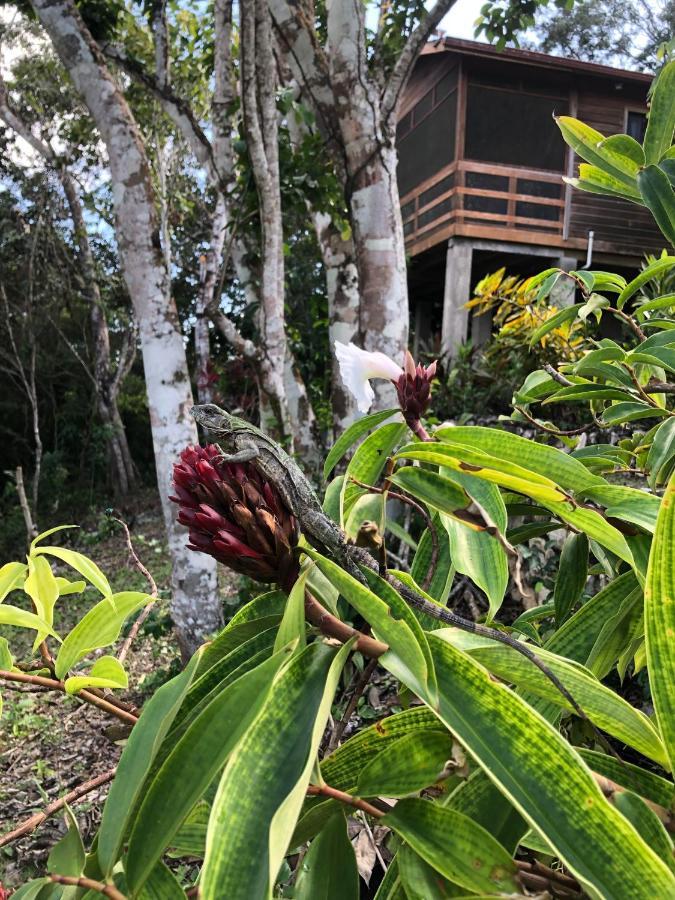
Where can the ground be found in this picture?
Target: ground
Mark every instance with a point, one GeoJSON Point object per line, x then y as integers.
{"type": "Point", "coordinates": [50, 743]}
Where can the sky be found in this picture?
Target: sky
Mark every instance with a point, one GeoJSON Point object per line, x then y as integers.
{"type": "Point", "coordinates": [459, 21]}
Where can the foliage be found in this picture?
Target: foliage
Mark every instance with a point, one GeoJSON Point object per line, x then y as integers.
{"type": "Point", "coordinates": [504, 772]}
{"type": "Point", "coordinates": [622, 33]}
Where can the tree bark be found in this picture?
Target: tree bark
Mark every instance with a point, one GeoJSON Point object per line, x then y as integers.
{"type": "Point", "coordinates": [195, 606]}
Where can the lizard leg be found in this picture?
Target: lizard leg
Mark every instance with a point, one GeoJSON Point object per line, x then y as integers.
{"type": "Point", "coordinates": [241, 456]}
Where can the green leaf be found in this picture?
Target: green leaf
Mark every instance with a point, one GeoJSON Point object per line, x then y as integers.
{"type": "Point", "coordinates": [471, 462]}
{"type": "Point", "coordinates": [572, 575]}
{"type": "Point", "coordinates": [627, 504]}
{"type": "Point", "coordinates": [647, 824]}
{"type": "Point", "coordinates": [328, 870]}
{"type": "Point", "coordinates": [100, 627]}
{"type": "Point", "coordinates": [563, 315]}
{"type": "Point", "coordinates": [443, 571]}
{"type": "Point", "coordinates": [12, 576]}
{"type": "Point", "coordinates": [43, 589]}
{"type": "Point", "coordinates": [576, 638]}
{"type": "Point", "coordinates": [653, 270]}
{"type": "Point", "coordinates": [435, 490]}
{"type": "Point", "coordinates": [406, 652]}
{"type": "Point", "coordinates": [45, 534]}
{"type": "Point", "coordinates": [351, 435]}
{"type": "Point", "coordinates": [590, 145]}
{"type": "Point", "coordinates": [647, 784]}
{"type": "Point", "coordinates": [661, 122]}
{"type": "Point", "coordinates": [604, 707]}
{"type": "Point", "coordinates": [368, 462]}
{"type": "Point", "coordinates": [660, 619]}
{"type": "Point", "coordinates": [81, 564]}
{"type": "Point", "coordinates": [6, 658]}
{"type": "Point", "coordinates": [67, 856]}
{"type": "Point", "coordinates": [595, 527]}
{"type": "Point", "coordinates": [268, 604]}
{"type": "Point", "coordinates": [410, 764]}
{"type": "Point", "coordinates": [421, 881]}
{"type": "Point", "coordinates": [661, 456]}
{"type": "Point", "coordinates": [162, 884]}
{"type": "Point", "coordinates": [618, 413]}
{"type": "Point", "coordinates": [292, 627]}
{"type": "Point", "coordinates": [548, 462]}
{"type": "Point", "coordinates": [588, 391]}
{"type": "Point", "coordinates": [69, 587]}
{"type": "Point", "coordinates": [107, 672]}
{"type": "Point", "coordinates": [234, 636]}
{"type": "Point", "coordinates": [622, 625]}
{"type": "Point", "coordinates": [192, 764]}
{"type": "Point", "coordinates": [265, 780]}
{"type": "Point", "coordinates": [462, 851]}
{"type": "Point", "coordinates": [545, 780]}
{"type": "Point", "coordinates": [625, 145]}
{"type": "Point", "coordinates": [658, 195]}
{"type": "Point", "coordinates": [12, 615]}
{"type": "Point", "coordinates": [593, 180]}
{"type": "Point", "coordinates": [479, 554]}
{"type": "Point", "coordinates": [140, 750]}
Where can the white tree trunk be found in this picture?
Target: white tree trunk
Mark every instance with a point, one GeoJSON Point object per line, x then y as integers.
{"type": "Point", "coordinates": [196, 607]}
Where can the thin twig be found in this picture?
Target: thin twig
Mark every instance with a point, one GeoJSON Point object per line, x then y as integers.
{"type": "Point", "coordinates": [630, 321]}
{"type": "Point", "coordinates": [30, 824]}
{"type": "Point", "coordinates": [325, 790]}
{"type": "Point", "coordinates": [403, 498]}
{"type": "Point", "coordinates": [109, 890]}
{"type": "Point", "coordinates": [556, 376]}
{"type": "Point", "coordinates": [135, 628]}
{"type": "Point", "coordinates": [555, 431]}
{"type": "Point", "coordinates": [358, 690]}
{"type": "Point", "coordinates": [87, 696]}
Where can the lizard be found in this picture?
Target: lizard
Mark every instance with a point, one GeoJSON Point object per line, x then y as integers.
{"type": "Point", "coordinates": [242, 442]}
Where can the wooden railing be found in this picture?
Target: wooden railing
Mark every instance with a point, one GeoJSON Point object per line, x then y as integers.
{"type": "Point", "coordinates": [476, 193]}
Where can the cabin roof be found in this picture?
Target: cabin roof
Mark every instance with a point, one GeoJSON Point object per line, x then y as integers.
{"type": "Point", "coordinates": [531, 58]}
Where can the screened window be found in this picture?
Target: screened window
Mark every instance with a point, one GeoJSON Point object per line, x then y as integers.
{"type": "Point", "coordinates": [429, 146]}
{"type": "Point", "coordinates": [636, 125]}
{"type": "Point", "coordinates": [514, 128]}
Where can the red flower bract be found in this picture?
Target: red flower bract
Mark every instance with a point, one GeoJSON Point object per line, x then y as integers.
{"type": "Point", "coordinates": [236, 516]}
{"type": "Point", "coordinates": [413, 388]}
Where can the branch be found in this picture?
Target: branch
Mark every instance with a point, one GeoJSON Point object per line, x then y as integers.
{"type": "Point", "coordinates": [556, 376]}
{"type": "Point", "coordinates": [12, 118]}
{"type": "Point", "coordinates": [109, 890]}
{"type": "Point", "coordinates": [404, 65]}
{"type": "Point", "coordinates": [325, 790]}
{"type": "Point", "coordinates": [153, 592]}
{"type": "Point", "coordinates": [333, 627]}
{"type": "Point", "coordinates": [30, 824]}
{"type": "Point", "coordinates": [177, 109]}
{"type": "Point", "coordinates": [126, 359]}
{"type": "Point", "coordinates": [88, 696]}
{"type": "Point", "coordinates": [359, 688]}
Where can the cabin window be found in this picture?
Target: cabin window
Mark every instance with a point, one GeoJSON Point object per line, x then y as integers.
{"type": "Point", "coordinates": [513, 128]}
{"type": "Point", "coordinates": [429, 145]}
{"type": "Point", "coordinates": [636, 124]}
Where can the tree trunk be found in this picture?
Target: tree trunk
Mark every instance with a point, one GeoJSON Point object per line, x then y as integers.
{"type": "Point", "coordinates": [195, 607]}
{"type": "Point", "coordinates": [342, 288]}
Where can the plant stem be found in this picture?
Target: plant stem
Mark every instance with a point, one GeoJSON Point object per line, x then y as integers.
{"type": "Point", "coordinates": [109, 890]}
{"type": "Point", "coordinates": [359, 688]}
{"type": "Point", "coordinates": [151, 584]}
{"type": "Point", "coordinates": [325, 790]}
{"type": "Point", "coordinates": [333, 627]}
{"type": "Point", "coordinates": [88, 697]}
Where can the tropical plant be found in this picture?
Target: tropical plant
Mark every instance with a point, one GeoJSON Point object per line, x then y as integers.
{"type": "Point", "coordinates": [516, 764]}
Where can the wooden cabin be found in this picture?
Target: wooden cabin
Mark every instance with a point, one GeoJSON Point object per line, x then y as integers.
{"type": "Point", "coordinates": [480, 175]}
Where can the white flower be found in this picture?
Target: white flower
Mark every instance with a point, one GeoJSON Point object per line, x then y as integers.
{"type": "Point", "coordinates": [358, 366]}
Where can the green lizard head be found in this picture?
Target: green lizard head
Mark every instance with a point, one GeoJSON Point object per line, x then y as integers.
{"type": "Point", "coordinates": [213, 419]}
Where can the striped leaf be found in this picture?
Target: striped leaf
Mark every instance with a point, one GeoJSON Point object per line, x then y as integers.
{"type": "Point", "coordinates": [265, 780]}
{"type": "Point", "coordinates": [368, 462]}
{"type": "Point", "coordinates": [328, 869]}
{"type": "Point", "coordinates": [660, 619]}
{"type": "Point", "coordinates": [408, 765]}
{"type": "Point", "coordinates": [546, 781]}
{"type": "Point", "coordinates": [139, 752]}
{"type": "Point", "coordinates": [191, 766]}
{"type": "Point", "coordinates": [462, 851]}
{"type": "Point", "coordinates": [351, 435]}
{"type": "Point", "coordinates": [661, 122]}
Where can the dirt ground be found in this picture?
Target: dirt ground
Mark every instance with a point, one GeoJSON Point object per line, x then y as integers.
{"type": "Point", "coordinates": [50, 743]}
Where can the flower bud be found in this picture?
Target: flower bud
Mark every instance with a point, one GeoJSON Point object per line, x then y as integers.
{"type": "Point", "coordinates": [236, 516]}
{"type": "Point", "coordinates": [413, 388]}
